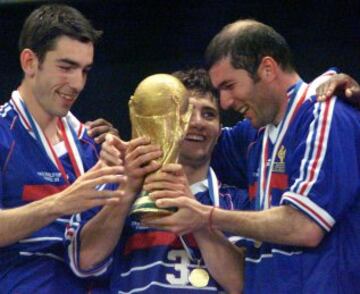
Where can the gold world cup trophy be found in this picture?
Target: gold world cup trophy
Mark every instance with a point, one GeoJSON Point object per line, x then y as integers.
{"type": "Point", "coordinates": [159, 109]}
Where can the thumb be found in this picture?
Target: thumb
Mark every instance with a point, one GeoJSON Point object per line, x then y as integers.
{"type": "Point", "coordinates": [117, 142]}
{"type": "Point", "coordinates": [97, 166]}
{"type": "Point", "coordinates": [166, 202]}
{"type": "Point", "coordinates": [173, 168]}
{"type": "Point", "coordinates": [353, 92]}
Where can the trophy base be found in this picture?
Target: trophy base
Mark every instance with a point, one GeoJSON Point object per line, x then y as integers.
{"type": "Point", "coordinates": [149, 213]}
{"type": "Point", "coordinates": [144, 207]}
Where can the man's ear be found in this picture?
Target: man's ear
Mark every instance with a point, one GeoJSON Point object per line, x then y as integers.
{"type": "Point", "coordinates": [267, 70]}
{"type": "Point", "coordinates": [29, 62]}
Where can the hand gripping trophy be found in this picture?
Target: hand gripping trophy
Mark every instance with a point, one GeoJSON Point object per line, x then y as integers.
{"type": "Point", "coordinates": [159, 109]}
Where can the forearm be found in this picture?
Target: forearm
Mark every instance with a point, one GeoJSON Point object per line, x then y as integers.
{"type": "Point", "coordinates": [18, 223]}
{"type": "Point", "coordinates": [282, 225]}
{"type": "Point", "coordinates": [219, 254]}
{"type": "Point", "coordinates": [101, 234]}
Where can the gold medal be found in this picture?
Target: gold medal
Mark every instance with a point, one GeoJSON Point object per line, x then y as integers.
{"type": "Point", "coordinates": [199, 278]}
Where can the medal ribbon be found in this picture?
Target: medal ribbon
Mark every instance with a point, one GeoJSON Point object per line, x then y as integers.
{"type": "Point", "coordinates": [296, 97]}
{"type": "Point", "coordinates": [215, 200]}
{"type": "Point", "coordinates": [213, 187]}
{"type": "Point", "coordinates": [71, 147]}
{"type": "Point", "coordinates": [69, 136]}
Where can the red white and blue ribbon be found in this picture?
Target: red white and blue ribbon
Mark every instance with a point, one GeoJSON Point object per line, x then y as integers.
{"type": "Point", "coordinates": [67, 126]}
{"type": "Point", "coordinates": [296, 97]}
{"type": "Point", "coordinates": [213, 187]}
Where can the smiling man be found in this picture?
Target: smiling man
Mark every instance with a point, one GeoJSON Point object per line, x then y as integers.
{"type": "Point", "coordinates": [153, 260]}
{"type": "Point", "coordinates": [300, 160]}
{"type": "Point", "coordinates": [204, 126]}
{"type": "Point", "coordinates": [45, 153]}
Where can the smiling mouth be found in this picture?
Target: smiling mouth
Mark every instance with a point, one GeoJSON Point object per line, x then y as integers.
{"type": "Point", "coordinates": [67, 97]}
{"type": "Point", "coordinates": [243, 109]}
{"type": "Point", "coordinates": [195, 138]}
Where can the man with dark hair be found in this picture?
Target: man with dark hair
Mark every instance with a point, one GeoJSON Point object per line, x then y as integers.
{"type": "Point", "coordinates": [247, 54]}
{"type": "Point", "coordinates": [43, 26]}
{"type": "Point", "coordinates": [197, 80]}
{"type": "Point", "coordinates": [300, 167]}
{"type": "Point", "coordinates": [154, 260]}
{"type": "Point", "coordinates": [45, 153]}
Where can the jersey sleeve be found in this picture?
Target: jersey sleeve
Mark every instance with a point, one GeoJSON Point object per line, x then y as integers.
{"type": "Point", "coordinates": [230, 153]}
{"type": "Point", "coordinates": [2, 161]}
{"type": "Point", "coordinates": [73, 244]}
{"type": "Point", "coordinates": [1, 191]}
{"type": "Point", "coordinates": [6, 147]}
{"type": "Point", "coordinates": [324, 180]}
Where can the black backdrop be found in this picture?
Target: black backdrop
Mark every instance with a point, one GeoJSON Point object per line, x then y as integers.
{"type": "Point", "coordinates": [145, 37]}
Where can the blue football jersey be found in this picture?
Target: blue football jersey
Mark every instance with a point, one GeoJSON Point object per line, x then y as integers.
{"type": "Point", "coordinates": [36, 264]}
{"type": "Point", "coordinates": [148, 260]}
{"type": "Point", "coordinates": [311, 161]}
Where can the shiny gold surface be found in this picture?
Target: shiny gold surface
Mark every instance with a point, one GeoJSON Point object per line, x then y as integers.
{"type": "Point", "coordinates": [199, 278]}
{"type": "Point", "coordinates": [159, 109]}
{"type": "Point", "coordinates": [151, 97]}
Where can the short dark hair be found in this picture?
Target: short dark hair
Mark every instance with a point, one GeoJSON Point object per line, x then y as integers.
{"type": "Point", "coordinates": [246, 42]}
{"type": "Point", "coordinates": [49, 22]}
{"type": "Point", "coordinates": [198, 80]}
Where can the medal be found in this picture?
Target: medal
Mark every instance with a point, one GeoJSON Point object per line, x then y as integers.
{"type": "Point", "coordinates": [199, 278]}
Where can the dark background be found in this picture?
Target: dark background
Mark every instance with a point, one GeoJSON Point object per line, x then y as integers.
{"type": "Point", "coordinates": [146, 37]}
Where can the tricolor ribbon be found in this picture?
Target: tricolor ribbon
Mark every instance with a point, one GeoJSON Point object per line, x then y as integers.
{"type": "Point", "coordinates": [296, 97]}
{"type": "Point", "coordinates": [69, 135]}
{"type": "Point", "coordinates": [213, 186]}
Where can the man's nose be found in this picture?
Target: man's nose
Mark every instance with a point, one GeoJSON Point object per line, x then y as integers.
{"type": "Point", "coordinates": [226, 100]}
{"type": "Point", "coordinates": [78, 80]}
{"type": "Point", "coordinates": [196, 118]}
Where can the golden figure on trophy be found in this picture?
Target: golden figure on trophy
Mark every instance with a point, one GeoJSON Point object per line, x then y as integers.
{"type": "Point", "coordinates": [159, 109]}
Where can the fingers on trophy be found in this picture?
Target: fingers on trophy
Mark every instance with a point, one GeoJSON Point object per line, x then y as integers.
{"type": "Point", "coordinates": [159, 109]}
